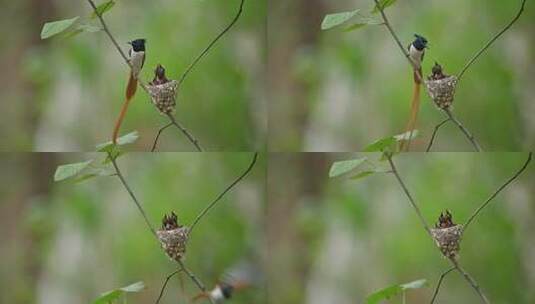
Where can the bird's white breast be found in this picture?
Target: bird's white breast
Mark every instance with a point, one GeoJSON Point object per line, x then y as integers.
{"type": "Point", "coordinates": [217, 295]}
{"type": "Point", "coordinates": [136, 59]}
{"type": "Point", "coordinates": [416, 55]}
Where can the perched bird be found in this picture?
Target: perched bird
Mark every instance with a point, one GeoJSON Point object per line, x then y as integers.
{"type": "Point", "coordinates": [137, 59]}
{"type": "Point", "coordinates": [416, 52]}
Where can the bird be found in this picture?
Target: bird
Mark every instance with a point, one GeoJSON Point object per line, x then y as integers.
{"type": "Point", "coordinates": [222, 291]}
{"type": "Point", "coordinates": [137, 60]}
{"type": "Point", "coordinates": [416, 51]}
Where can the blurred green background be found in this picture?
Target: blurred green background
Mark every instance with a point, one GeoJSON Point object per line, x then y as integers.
{"type": "Point", "coordinates": [65, 94]}
{"type": "Point", "coordinates": [338, 240]}
{"type": "Point", "coordinates": [67, 243]}
{"type": "Point", "coordinates": [339, 91]}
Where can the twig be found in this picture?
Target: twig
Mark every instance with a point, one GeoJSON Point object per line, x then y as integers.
{"type": "Point", "coordinates": [134, 198]}
{"type": "Point", "coordinates": [401, 47]}
{"type": "Point", "coordinates": [445, 273]}
{"type": "Point", "coordinates": [465, 131]}
{"type": "Point", "coordinates": [158, 136]}
{"type": "Point", "coordinates": [226, 29]}
{"type": "Point", "coordinates": [197, 282]}
{"type": "Point", "coordinates": [192, 139]}
{"type": "Point", "coordinates": [435, 133]}
{"type": "Point", "coordinates": [478, 210]}
{"type": "Point", "coordinates": [470, 280]}
{"type": "Point", "coordinates": [165, 284]}
{"type": "Point", "coordinates": [486, 46]}
{"type": "Point", "coordinates": [411, 200]}
{"type": "Point", "coordinates": [139, 80]}
{"type": "Point", "coordinates": [214, 202]}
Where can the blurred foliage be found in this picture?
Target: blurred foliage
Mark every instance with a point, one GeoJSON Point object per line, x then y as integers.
{"type": "Point", "coordinates": [70, 242]}
{"type": "Point", "coordinates": [64, 94]}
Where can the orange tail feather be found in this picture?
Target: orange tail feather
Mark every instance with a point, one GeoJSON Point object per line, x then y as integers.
{"type": "Point", "coordinates": [415, 108]}
{"type": "Point", "coordinates": [130, 92]}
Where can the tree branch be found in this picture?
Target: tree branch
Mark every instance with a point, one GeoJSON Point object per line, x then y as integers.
{"type": "Point", "coordinates": [465, 131]}
{"type": "Point", "coordinates": [197, 282]}
{"type": "Point", "coordinates": [134, 198]}
{"type": "Point", "coordinates": [139, 80]}
{"type": "Point", "coordinates": [226, 29]}
{"type": "Point", "coordinates": [486, 46]}
{"type": "Point", "coordinates": [470, 280]}
{"type": "Point", "coordinates": [435, 133]}
{"type": "Point", "coordinates": [401, 47]}
{"type": "Point", "coordinates": [165, 284]}
{"type": "Point", "coordinates": [155, 143]}
{"type": "Point", "coordinates": [510, 180]}
{"type": "Point", "coordinates": [409, 196]}
{"type": "Point", "coordinates": [192, 139]}
{"type": "Point", "coordinates": [445, 273]}
{"type": "Point", "coordinates": [214, 202]}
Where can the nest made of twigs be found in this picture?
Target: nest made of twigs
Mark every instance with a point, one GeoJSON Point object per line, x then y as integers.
{"type": "Point", "coordinates": [163, 96]}
{"type": "Point", "coordinates": [173, 237]}
{"type": "Point", "coordinates": [448, 240]}
{"type": "Point", "coordinates": [442, 91]}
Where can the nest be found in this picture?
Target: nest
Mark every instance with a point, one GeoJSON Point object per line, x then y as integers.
{"type": "Point", "coordinates": [442, 91]}
{"type": "Point", "coordinates": [163, 96]}
{"type": "Point", "coordinates": [173, 237]}
{"type": "Point", "coordinates": [448, 239]}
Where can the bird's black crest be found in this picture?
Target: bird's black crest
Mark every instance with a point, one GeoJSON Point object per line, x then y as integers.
{"type": "Point", "coordinates": [138, 45]}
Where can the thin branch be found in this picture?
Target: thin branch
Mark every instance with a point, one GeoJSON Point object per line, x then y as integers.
{"type": "Point", "coordinates": [155, 143]}
{"type": "Point", "coordinates": [486, 46]}
{"type": "Point", "coordinates": [510, 180]}
{"type": "Point", "coordinates": [165, 284]}
{"type": "Point", "coordinates": [192, 139]}
{"type": "Point", "coordinates": [134, 198]}
{"type": "Point", "coordinates": [214, 202]}
{"type": "Point", "coordinates": [197, 282]}
{"type": "Point", "coordinates": [465, 131]}
{"type": "Point", "coordinates": [411, 199]}
{"type": "Point", "coordinates": [139, 80]}
{"type": "Point", "coordinates": [435, 133]}
{"type": "Point", "coordinates": [445, 273]}
{"type": "Point", "coordinates": [190, 67]}
{"type": "Point", "coordinates": [401, 47]}
{"type": "Point", "coordinates": [470, 280]}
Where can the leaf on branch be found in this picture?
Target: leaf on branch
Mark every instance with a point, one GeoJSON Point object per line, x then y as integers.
{"type": "Point", "coordinates": [113, 295]}
{"type": "Point", "coordinates": [121, 141]}
{"type": "Point", "coordinates": [361, 21]}
{"type": "Point", "coordinates": [363, 174]}
{"type": "Point", "coordinates": [53, 28]}
{"type": "Point", "coordinates": [64, 172]}
{"type": "Point", "coordinates": [102, 8]}
{"type": "Point", "coordinates": [342, 167]}
{"type": "Point", "coordinates": [382, 4]}
{"type": "Point", "coordinates": [409, 135]}
{"type": "Point", "coordinates": [333, 20]}
{"type": "Point", "coordinates": [390, 291]}
{"type": "Point", "coordinates": [384, 144]}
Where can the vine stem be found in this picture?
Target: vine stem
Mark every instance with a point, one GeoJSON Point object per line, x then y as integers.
{"type": "Point", "coordinates": [197, 282]}
{"type": "Point", "coordinates": [165, 285]}
{"type": "Point", "coordinates": [435, 133]}
{"type": "Point", "coordinates": [465, 131]}
{"type": "Point", "coordinates": [470, 280]}
{"type": "Point", "coordinates": [488, 44]}
{"type": "Point", "coordinates": [155, 143]}
{"type": "Point", "coordinates": [444, 274]}
{"type": "Point", "coordinates": [503, 186]}
{"type": "Point", "coordinates": [214, 202]}
{"type": "Point", "coordinates": [121, 52]}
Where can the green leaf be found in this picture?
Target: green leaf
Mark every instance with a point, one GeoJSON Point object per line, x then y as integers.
{"type": "Point", "coordinates": [332, 20]}
{"type": "Point", "coordinates": [360, 21]}
{"type": "Point", "coordinates": [390, 291]}
{"type": "Point", "coordinates": [380, 144]}
{"type": "Point", "coordinates": [383, 4]}
{"type": "Point", "coordinates": [123, 140]}
{"type": "Point", "coordinates": [53, 28]}
{"type": "Point", "coordinates": [363, 174]}
{"type": "Point", "coordinates": [103, 7]}
{"type": "Point", "coordinates": [113, 295]}
{"type": "Point", "coordinates": [67, 171]}
{"type": "Point", "coordinates": [409, 135]}
{"type": "Point", "coordinates": [342, 167]}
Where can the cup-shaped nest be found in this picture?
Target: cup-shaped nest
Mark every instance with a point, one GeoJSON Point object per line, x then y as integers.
{"type": "Point", "coordinates": [442, 91]}
{"type": "Point", "coordinates": [163, 96]}
{"type": "Point", "coordinates": [448, 239]}
{"type": "Point", "coordinates": [173, 237]}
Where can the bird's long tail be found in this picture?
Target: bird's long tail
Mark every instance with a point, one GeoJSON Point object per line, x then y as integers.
{"type": "Point", "coordinates": [415, 107]}
{"type": "Point", "coordinates": [130, 92]}
{"type": "Point", "coordinates": [203, 295]}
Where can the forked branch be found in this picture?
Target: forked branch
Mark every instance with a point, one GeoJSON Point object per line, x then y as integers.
{"type": "Point", "coordinates": [435, 134]}
{"type": "Point", "coordinates": [465, 131]}
{"type": "Point", "coordinates": [444, 274]}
